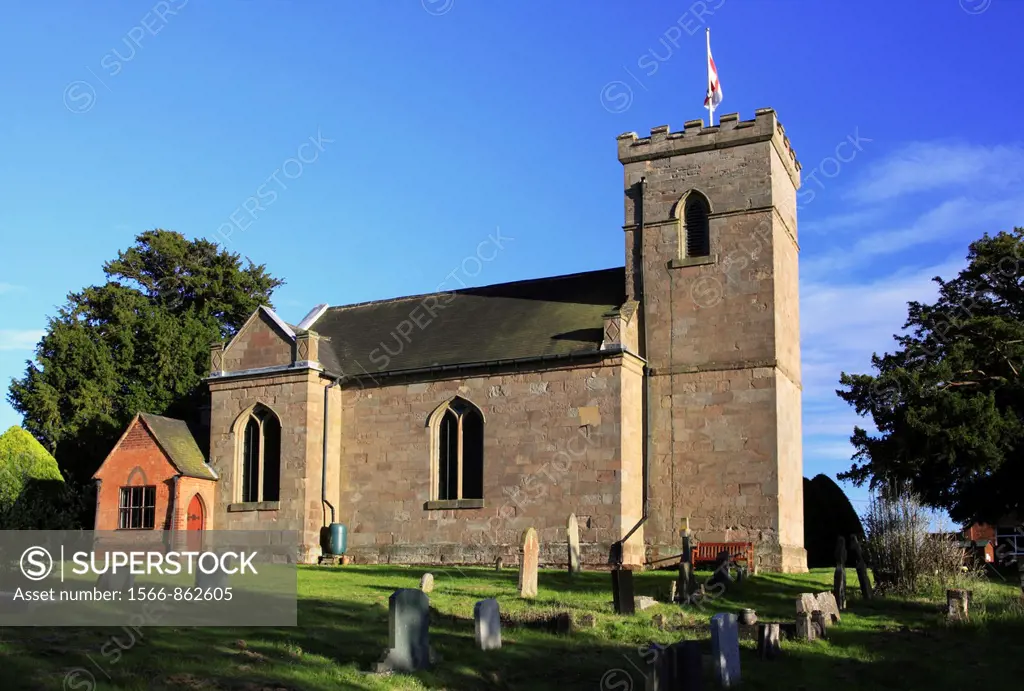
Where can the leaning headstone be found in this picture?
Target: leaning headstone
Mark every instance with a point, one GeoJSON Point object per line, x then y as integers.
{"type": "Point", "coordinates": [768, 646]}
{"type": "Point", "coordinates": [427, 583]}
{"type": "Point", "coordinates": [828, 606]}
{"type": "Point", "coordinates": [862, 568]}
{"type": "Point", "coordinates": [725, 649]}
{"type": "Point", "coordinates": [721, 574]}
{"type": "Point", "coordinates": [839, 576]}
{"type": "Point", "coordinates": [819, 622]}
{"type": "Point", "coordinates": [498, 564]}
{"type": "Point", "coordinates": [804, 628]}
{"type": "Point", "coordinates": [487, 621]}
{"type": "Point", "coordinates": [622, 591]}
{"type": "Point", "coordinates": [672, 591]}
{"type": "Point", "coordinates": [408, 632]}
{"type": "Point", "coordinates": [957, 604]}
{"type": "Point", "coordinates": [807, 602]}
{"type": "Point", "coordinates": [677, 666]}
{"type": "Point", "coordinates": [572, 530]}
{"type": "Point", "coordinates": [529, 553]}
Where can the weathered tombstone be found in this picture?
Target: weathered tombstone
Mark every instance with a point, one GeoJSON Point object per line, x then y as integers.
{"type": "Point", "coordinates": [828, 606]}
{"type": "Point", "coordinates": [498, 564]}
{"type": "Point", "coordinates": [672, 591]}
{"type": "Point", "coordinates": [658, 621]}
{"type": "Point", "coordinates": [622, 591]}
{"type": "Point", "coordinates": [721, 574]}
{"type": "Point", "coordinates": [642, 602]}
{"type": "Point", "coordinates": [572, 530]}
{"type": "Point", "coordinates": [529, 554]}
{"type": "Point", "coordinates": [408, 632]}
{"type": "Point", "coordinates": [957, 604]}
{"type": "Point", "coordinates": [686, 582]}
{"type": "Point", "coordinates": [427, 583]}
{"type": "Point", "coordinates": [804, 629]}
{"type": "Point", "coordinates": [839, 577]}
{"type": "Point", "coordinates": [679, 666]}
{"type": "Point", "coordinates": [487, 621]}
{"type": "Point", "coordinates": [725, 649]}
{"type": "Point", "coordinates": [768, 646]}
{"type": "Point", "coordinates": [819, 622]}
{"type": "Point", "coordinates": [563, 624]}
{"type": "Point", "coordinates": [807, 602]}
{"type": "Point", "coordinates": [862, 568]}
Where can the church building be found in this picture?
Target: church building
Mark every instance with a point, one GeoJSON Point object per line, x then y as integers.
{"type": "Point", "coordinates": [438, 427]}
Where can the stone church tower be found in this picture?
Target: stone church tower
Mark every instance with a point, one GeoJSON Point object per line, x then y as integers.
{"type": "Point", "coordinates": [711, 255]}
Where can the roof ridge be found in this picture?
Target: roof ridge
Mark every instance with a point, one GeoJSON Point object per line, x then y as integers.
{"type": "Point", "coordinates": [337, 308]}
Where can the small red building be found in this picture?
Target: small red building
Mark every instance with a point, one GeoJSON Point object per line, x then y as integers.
{"type": "Point", "coordinates": [155, 478]}
{"type": "Point", "coordinates": [1001, 542]}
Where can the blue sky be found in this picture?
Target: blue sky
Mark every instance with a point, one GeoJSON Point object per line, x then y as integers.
{"type": "Point", "coordinates": [436, 123]}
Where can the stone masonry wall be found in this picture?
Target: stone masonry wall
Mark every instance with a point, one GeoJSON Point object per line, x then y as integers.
{"type": "Point", "coordinates": [721, 329]}
{"type": "Point", "coordinates": [552, 446]}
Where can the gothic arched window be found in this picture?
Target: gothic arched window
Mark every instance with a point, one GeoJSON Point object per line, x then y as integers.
{"type": "Point", "coordinates": [696, 229]}
{"type": "Point", "coordinates": [458, 451]}
{"type": "Point", "coordinates": [261, 457]}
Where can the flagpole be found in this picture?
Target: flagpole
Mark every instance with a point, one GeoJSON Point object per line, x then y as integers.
{"type": "Point", "coordinates": [711, 99]}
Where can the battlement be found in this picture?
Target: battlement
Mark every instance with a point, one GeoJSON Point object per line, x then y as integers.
{"type": "Point", "coordinates": [731, 131]}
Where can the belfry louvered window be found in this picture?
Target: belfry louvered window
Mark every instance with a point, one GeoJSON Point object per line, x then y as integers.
{"type": "Point", "coordinates": [696, 229]}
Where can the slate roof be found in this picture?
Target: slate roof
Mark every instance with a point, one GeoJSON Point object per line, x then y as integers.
{"type": "Point", "coordinates": [177, 441]}
{"type": "Point", "coordinates": [508, 321]}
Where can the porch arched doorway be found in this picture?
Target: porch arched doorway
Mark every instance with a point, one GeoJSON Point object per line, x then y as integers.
{"type": "Point", "coordinates": [195, 523]}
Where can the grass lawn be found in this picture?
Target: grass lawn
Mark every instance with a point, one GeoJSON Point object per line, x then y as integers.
{"type": "Point", "coordinates": [881, 644]}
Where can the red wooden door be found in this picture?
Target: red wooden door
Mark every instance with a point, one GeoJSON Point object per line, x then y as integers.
{"type": "Point", "coordinates": [195, 522]}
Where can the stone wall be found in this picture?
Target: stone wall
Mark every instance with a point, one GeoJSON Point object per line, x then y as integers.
{"type": "Point", "coordinates": [554, 444]}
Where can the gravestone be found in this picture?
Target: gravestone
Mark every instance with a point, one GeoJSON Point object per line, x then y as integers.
{"type": "Point", "coordinates": [819, 622]}
{"type": "Point", "coordinates": [498, 564]}
{"type": "Point", "coordinates": [572, 530]}
{"type": "Point", "coordinates": [824, 602]}
{"type": "Point", "coordinates": [678, 666]}
{"type": "Point", "coordinates": [408, 632]}
{"type": "Point", "coordinates": [804, 629]}
{"type": "Point", "coordinates": [839, 577]}
{"type": "Point", "coordinates": [587, 621]}
{"type": "Point", "coordinates": [563, 624]}
{"type": "Point", "coordinates": [721, 574]}
{"type": "Point", "coordinates": [529, 553]}
{"type": "Point", "coordinates": [957, 604]}
{"type": "Point", "coordinates": [658, 621]}
{"type": "Point", "coordinates": [427, 583]}
{"type": "Point", "coordinates": [862, 568]}
{"type": "Point", "coordinates": [768, 645]}
{"type": "Point", "coordinates": [686, 583]}
{"type": "Point", "coordinates": [622, 591]}
{"type": "Point", "coordinates": [642, 602]}
{"type": "Point", "coordinates": [487, 621]}
{"type": "Point", "coordinates": [672, 591]}
{"type": "Point", "coordinates": [725, 649]}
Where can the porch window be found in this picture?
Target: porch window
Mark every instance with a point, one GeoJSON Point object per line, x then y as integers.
{"type": "Point", "coordinates": [137, 509]}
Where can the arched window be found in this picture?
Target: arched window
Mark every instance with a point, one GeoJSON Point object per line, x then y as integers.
{"type": "Point", "coordinates": [261, 457]}
{"type": "Point", "coordinates": [696, 229]}
{"type": "Point", "coordinates": [458, 451]}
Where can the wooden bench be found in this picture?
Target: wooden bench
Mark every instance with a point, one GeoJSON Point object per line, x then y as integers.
{"type": "Point", "coordinates": [739, 553]}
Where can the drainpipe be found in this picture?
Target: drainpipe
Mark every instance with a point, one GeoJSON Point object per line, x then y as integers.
{"type": "Point", "coordinates": [323, 478]}
{"type": "Point", "coordinates": [646, 404]}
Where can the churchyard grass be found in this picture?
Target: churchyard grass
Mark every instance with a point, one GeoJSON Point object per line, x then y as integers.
{"type": "Point", "coordinates": [885, 643]}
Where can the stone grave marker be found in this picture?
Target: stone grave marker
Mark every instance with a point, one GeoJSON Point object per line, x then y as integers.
{"type": "Point", "coordinates": [678, 666]}
{"type": "Point", "coordinates": [819, 622]}
{"type": "Point", "coordinates": [862, 568]}
{"type": "Point", "coordinates": [487, 621]}
{"type": "Point", "coordinates": [642, 602]}
{"type": "Point", "coordinates": [427, 583]}
{"type": "Point", "coordinates": [721, 574]}
{"type": "Point", "coordinates": [768, 645]}
{"type": "Point", "coordinates": [408, 632]}
{"type": "Point", "coordinates": [563, 624]}
{"type": "Point", "coordinates": [499, 563]}
{"type": "Point", "coordinates": [622, 591]}
{"type": "Point", "coordinates": [529, 554]}
{"type": "Point", "coordinates": [672, 589]}
{"type": "Point", "coordinates": [824, 602]}
{"type": "Point", "coordinates": [839, 577]}
{"type": "Point", "coordinates": [725, 649]}
{"type": "Point", "coordinates": [957, 604]}
{"type": "Point", "coordinates": [804, 629]}
{"type": "Point", "coordinates": [572, 530]}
